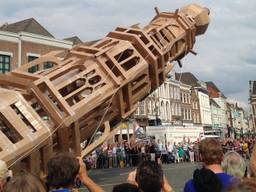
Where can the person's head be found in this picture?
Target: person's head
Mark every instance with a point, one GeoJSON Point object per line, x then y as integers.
{"type": "Point", "coordinates": [234, 164]}
{"type": "Point", "coordinates": [149, 176]}
{"type": "Point", "coordinates": [253, 162]}
{"type": "Point", "coordinates": [125, 187]}
{"type": "Point", "coordinates": [206, 180]}
{"type": "Point", "coordinates": [24, 182]}
{"type": "Point", "coordinates": [62, 171]}
{"type": "Point", "coordinates": [3, 174]}
{"type": "Point", "coordinates": [210, 151]}
{"type": "Point", "coordinates": [246, 185]}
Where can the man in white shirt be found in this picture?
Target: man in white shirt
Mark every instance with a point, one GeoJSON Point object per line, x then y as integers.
{"type": "Point", "coordinates": [169, 147]}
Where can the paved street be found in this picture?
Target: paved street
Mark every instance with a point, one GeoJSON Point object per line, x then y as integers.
{"type": "Point", "coordinates": [177, 175]}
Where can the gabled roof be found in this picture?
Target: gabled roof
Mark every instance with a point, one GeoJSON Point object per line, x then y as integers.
{"type": "Point", "coordinates": [187, 78]}
{"type": "Point", "coordinates": [212, 102]}
{"type": "Point", "coordinates": [28, 25]}
{"type": "Point", "coordinates": [76, 40]}
{"type": "Point", "coordinates": [210, 83]}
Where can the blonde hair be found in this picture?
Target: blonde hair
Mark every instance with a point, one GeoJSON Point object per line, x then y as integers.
{"type": "Point", "coordinates": [24, 182]}
{"type": "Point", "coordinates": [234, 164]}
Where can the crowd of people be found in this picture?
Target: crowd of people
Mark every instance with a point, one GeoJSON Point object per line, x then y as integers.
{"type": "Point", "coordinates": [125, 154]}
{"type": "Point", "coordinates": [219, 173]}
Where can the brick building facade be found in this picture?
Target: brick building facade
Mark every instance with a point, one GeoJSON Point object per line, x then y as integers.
{"type": "Point", "coordinates": [24, 41]}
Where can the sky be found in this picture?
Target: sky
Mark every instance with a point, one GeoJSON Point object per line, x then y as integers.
{"type": "Point", "coordinates": [226, 53]}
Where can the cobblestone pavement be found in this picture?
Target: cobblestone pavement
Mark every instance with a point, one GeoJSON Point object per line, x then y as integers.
{"type": "Point", "coordinates": [177, 175]}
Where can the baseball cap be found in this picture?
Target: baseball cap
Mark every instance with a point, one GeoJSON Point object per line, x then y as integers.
{"type": "Point", "coordinates": [4, 173]}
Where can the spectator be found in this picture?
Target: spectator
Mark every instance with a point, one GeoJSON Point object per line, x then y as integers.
{"type": "Point", "coordinates": [234, 164]}
{"type": "Point", "coordinates": [211, 154]}
{"type": "Point", "coordinates": [4, 174]}
{"type": "Point", "coordinates": [110, 159]}
{"type": "Point", "coordinates": [114, 149]}
{"type": "Point", "coordinates": [65, 171]}
{"type": "Point", "coordinates": [94, 158]}
{"type": "Point", "coordinates": [143, 152]}
{"type": "Point", "coordinates": [159, 149]}
{"type": "Point", "coordinates": [175, 153]}
{"type": "Point", "coordinates": [123, 158]}
{"type": "Point", "coordinates": [253, 163]}
{"type": "Point", "coordinates": [125, 187]}
{"type": "Point", "coordinates": [169, 147]}
{"type": "Point", "coordinates": [196, 151]}
{"type": "Point", "coordinates": [246, 185]}
{"type": "Point", "coordinates": [191, 152]}
{"type": "Point", "coordinates": [119, 154]}
{"type": "Point", "coordinates": [127, 149]}
{"type": "Point", "coordinates": [149, 177]}
{"type": "Point", "coordinates": [181, 153]}
{"type": "Point", "coordinates": [245, 149]}
{"type": "Point", "coordinates": [152, 152]}
{"type": "Point", "coordinates": [186, 151]}
{"type": "Point", "coordinates": [24, 182]}
{"type": "Point", "coordinates": [206, 181]}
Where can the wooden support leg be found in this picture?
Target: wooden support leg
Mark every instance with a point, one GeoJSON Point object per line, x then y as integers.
{"type": "Point", "coordinates": [47, 153]}
{"type": "Point", "coordinates": [76, 138]}
{"type": "Point", "coordinates": [34, 163]}
{"type": "Point", "coordinates": [63, 139]}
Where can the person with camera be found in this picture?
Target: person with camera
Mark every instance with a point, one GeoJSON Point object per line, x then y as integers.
{"type": "Point", "coordinates": [149, 176]}
{"type": "Point", "coordinates": [65, 173]}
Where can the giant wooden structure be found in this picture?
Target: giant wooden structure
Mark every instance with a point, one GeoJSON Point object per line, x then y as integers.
{"type": "Point", "coordinates": [65, 101]}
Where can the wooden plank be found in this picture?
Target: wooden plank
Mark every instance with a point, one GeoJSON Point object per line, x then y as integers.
{"type": "Point", "coordinates": [97, 142]}
{"type": "Point", "coordinates": [34, 162]}
{"type": "Point", "coordinates": [77, 138]}
{"type": "Point", "coordinates": [56, 117]}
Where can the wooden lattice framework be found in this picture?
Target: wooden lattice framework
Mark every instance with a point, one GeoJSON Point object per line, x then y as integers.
{"type": "Point", "coordinates": [93, 88]}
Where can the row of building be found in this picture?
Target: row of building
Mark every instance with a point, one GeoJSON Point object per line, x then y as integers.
{"type": "Point", "coordinates": [184, 101]}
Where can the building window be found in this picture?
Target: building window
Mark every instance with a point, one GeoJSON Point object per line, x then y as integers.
{"type": "Point", "coordinates": [185, 98]}
{"type": "Point", "coordinates": [186, 114]}
{"type": "Point", "coordinates": [142, 108]}
{"type": "Point", "coordinates": [34, 68]}
{"type": "Point", "coordinates": [189, 98]}
{"type": "Point", "coordinates": [165, 91]}
{"type": "Point", "coordinates": [171, 92]}
{"type": "Point", "coordinates": [31, 58]}
{"type": "Point", "coordinates": [5, 63]}
{"type": "Point", "coordinates": [178, 93]}
{"type": "Point", "coordinates": [168, 111]}
{"type": "Point", "coordinates": [172, 109]}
